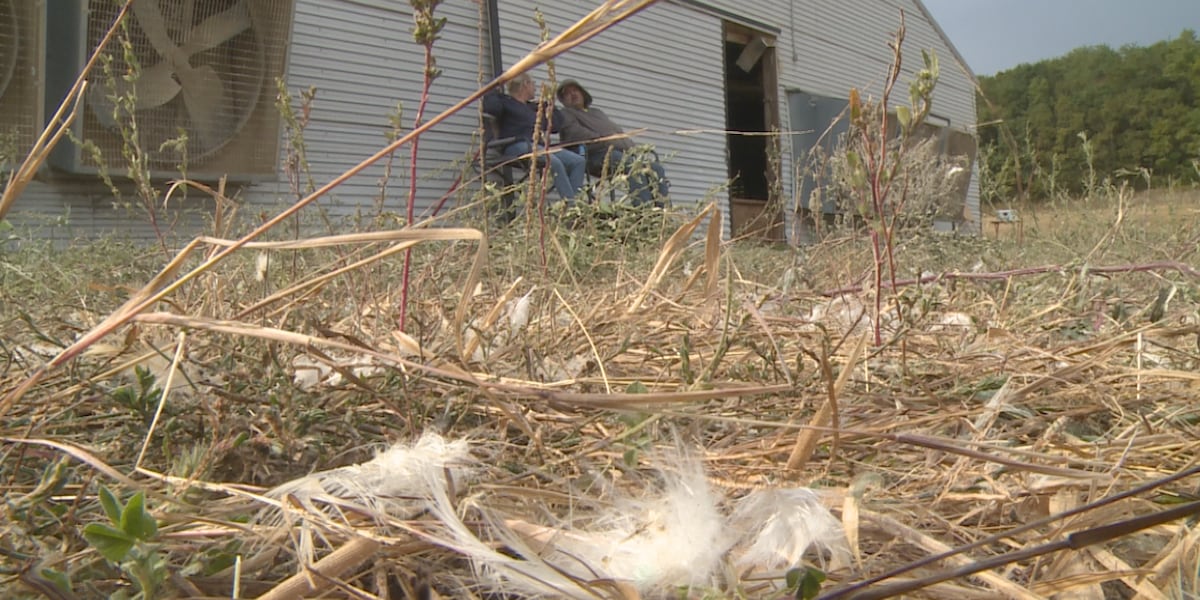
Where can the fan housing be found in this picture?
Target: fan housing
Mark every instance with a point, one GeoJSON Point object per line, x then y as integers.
{"type": "Point", "coordinates": [200, 71]}
{"type": "Point", "coordinates": [22, 29]}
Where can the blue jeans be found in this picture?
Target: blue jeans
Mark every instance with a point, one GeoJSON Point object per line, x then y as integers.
{"type": "Point", "coordinates": [640, 188]}
{"type": "Point", "coordinates": [567, 167]}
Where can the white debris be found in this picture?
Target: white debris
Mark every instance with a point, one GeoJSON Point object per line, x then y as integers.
{"type": "Point", "coordinates": [310, 373]}
{"type": "Point", "coordinates": [781, 525]}
{"type": "Point", "coordinates": [262, 264]}
{"type": "Point", "coordinates": [518, 313]}
{"type": "Point", "coordinates": [675, 532]}
{"type": "Point", "coordinates": [400, 481]}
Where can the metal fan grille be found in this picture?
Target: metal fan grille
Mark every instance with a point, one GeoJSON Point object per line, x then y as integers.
{"type": "Point", "coordinates": [20, 98]}
{"type": "Point", "coordinates": [204, 67]}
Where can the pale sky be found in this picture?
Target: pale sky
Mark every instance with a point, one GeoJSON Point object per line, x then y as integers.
{"type": "Point", "coordinates": [994, 35]}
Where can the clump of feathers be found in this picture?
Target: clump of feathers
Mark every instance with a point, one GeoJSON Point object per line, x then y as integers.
{"type": "Point", "coordinates": [674, 532]}
{"type": "Point", "coordinates": [780, 526]}
{"type": "Point", "coordinates": [400, 482]}
{"type": "Point", "coordinates": [670, 535]}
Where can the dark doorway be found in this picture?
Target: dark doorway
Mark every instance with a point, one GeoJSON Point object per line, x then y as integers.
{"type": "Point", "coordinates": [751, 117]}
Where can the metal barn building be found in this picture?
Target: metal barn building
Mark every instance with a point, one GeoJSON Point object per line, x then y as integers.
{"type": "Point", "coordinates": [697, 75]}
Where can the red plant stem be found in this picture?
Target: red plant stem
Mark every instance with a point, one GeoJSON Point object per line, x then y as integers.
{"type": "Point", "coordinates": [881, 191]}
{"type": "Point", "coordinates": [878, 285]}
{"type": "Point", "coordinates": [412, 182]}
{"type": "Point", "coordinates": [441, 203]}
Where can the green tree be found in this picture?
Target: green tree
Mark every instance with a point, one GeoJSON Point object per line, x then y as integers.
{"type": "Point", "coordinates": [1139, 107]}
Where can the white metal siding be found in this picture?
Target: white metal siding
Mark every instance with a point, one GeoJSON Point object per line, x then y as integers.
{"type": "Point", "coordinates": [661, 70]}
{"type": "Point", "coordinates": [361, 58]}
{"type": "Point", "coordinates": [827, 47]}
{"type": "Point", "coordinates": [61, 211]}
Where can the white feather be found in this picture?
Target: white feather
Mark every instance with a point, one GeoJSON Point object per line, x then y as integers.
{"type": "Point", "coordinates": [674, 537]}
{"type": "Point", "coordinates": [308, 372]}
{"type": "Point", "coordinates": [518, 314]}
{"type": "Point", "coordinates": [261, 263]}
{"type": "Point", "coordinates": [397, 476]}
{"type": "Point", "coordinates": [471, 338]}
{"type": "Point", "coordinates": [779, 526]}
{"type": "Point", "coordinates": [528, 576]}
{"type": "Point", "coordinates": [399, 481]}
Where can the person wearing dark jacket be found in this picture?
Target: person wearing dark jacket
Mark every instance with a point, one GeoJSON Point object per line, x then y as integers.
{"type": "Point", "coordinates": [516, 115]}
{"type": "Point", "coordinates": [587, 124]}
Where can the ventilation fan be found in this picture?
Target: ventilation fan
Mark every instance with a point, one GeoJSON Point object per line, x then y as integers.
{"type": "Point", "coordinates": [200, 69]}
{"type": "Point", "coordinates": [21, 29]}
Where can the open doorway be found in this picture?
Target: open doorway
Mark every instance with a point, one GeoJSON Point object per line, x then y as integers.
{"type": "Point", "coordinates": [751, 114]}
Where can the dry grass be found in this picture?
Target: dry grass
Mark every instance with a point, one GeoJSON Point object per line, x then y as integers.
{"type": "Point", "coordinates": [572, 354]}
{"type": "Point", "coordinates": [1155, 211]}
{"type": "Point", "coordinates": [995, 404]}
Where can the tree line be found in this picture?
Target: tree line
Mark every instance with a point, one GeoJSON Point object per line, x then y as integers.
{"type": "Point", "coordinates": [1061, 125]}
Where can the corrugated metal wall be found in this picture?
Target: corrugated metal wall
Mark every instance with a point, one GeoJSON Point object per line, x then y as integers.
{"type": "Point", "coordinates": [361, 57]}
{"type": "Point", "coordinates": [362, 60]}
{"type": "Point", "coordinates": [661, 71]}
{"type": "Point", "coordinates": [65, 210]}
{"type": "Point", "coordinates": [826, 47]}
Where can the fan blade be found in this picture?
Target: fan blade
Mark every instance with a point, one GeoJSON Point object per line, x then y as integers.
{"type": "Point", "coordinates": [151, 21]}
{"type": "Point", "coordinates": [204, 95]}
{"type": "Point", "coordinates": [156, 86]}
{"type": "Point", "coordinates": [218, 29]}
{"type": "Point", "coordinates": [102, 107]}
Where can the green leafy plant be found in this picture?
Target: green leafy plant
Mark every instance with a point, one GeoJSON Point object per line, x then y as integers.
{"type": "Point", "coordinates": [127, 540]}
{"type": "Point", "coordinates": [120, 74]}
{"type": "Point", "coordinates": [143, 397]}
{"type": "Point", "coordinates": [804, 583]}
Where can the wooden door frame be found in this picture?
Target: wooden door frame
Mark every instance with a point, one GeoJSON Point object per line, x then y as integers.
{"type": "Point", "coordinates": [745, 35]}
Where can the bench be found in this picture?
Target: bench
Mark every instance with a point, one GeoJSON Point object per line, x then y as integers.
{"type": "Point", "coordinates": [1008, 217]}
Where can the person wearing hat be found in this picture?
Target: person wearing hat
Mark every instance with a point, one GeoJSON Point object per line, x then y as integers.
{"type": "Point", "coordinates": [516, 114]}
{"type": "Point", "coordinates": [586, 124]}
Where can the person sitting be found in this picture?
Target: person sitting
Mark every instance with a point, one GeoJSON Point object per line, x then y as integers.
{"type": "Point", "coordinates": [516, 114]}
{"type": "Point", "coordinates": [587, 124]}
